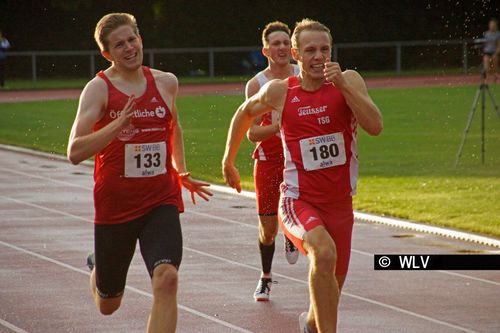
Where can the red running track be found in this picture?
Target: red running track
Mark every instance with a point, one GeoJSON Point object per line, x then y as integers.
{"type": "Point", "coordinates": [46, 232]}
{"type": "Point", "coordinates": [238, 88]}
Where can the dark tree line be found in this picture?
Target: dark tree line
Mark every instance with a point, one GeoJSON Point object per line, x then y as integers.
{"type": "Point", "coordinates": [67, 24]}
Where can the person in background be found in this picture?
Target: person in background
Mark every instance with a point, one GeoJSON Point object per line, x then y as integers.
{"type": "Point", "coordinates": [268, 154]}
{"type": "Point", "coordinates": [491, 50]}
{"type": "Point", "coordinates": [4, 46]}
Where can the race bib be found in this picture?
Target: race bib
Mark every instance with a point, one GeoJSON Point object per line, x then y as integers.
{"type": "Point", "coordinates": [323, 151]}
{"type": "Point", "coordinates": [145, 159]}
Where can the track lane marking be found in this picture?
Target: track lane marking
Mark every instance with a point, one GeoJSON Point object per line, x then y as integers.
{"type": "Point", "coordinates": [130, 288]}
{"type": "Point", "coordinates": [368, 300]}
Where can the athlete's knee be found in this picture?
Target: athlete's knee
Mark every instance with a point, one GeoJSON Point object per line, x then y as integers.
{"type": "Point", "coordinates": [165, 280]}
{"type": "Point", "coordinates": [325, 259]}
{"type": "Point", "coordinates": [268, 228]}
{"type": "Point", "coordinates": [321, 250]}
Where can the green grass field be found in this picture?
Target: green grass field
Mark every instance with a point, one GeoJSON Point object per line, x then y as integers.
{"type": "Point", "coordinates": [406, 172]}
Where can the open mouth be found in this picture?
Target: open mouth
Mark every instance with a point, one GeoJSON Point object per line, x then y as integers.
{"type": "Point", "coordinates": [131, 56]}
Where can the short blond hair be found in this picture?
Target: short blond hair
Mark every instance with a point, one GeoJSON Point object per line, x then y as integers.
{"type": "Point", "coordinates": [273, 27]}
{"type": "Point", "coordinates": [108, 23]}
{"type": "Point", "coordinates": [309, 25]}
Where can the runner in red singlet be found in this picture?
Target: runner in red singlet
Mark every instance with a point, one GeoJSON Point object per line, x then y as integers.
{"type": "Point", "coordinates": [127, 118]}
{"type": "Point", "coordinates": [268, 154]}
{"type": "Point", "coordinates": [319, 111]}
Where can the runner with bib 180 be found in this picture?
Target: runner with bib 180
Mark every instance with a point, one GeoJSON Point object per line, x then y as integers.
{"type": "Point", "coordinates": [319, 112]}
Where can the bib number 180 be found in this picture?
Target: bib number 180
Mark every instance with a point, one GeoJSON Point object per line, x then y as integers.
{"type": "Point", "coordinates": [323, 151]}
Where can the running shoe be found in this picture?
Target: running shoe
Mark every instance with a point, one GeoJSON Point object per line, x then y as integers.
{"type": "Point", "coordinates": [303, 327]}
{"type": "Point", "coordinates": [263, 289]}
{"type": "Point", "coordinates": [91, 261]}
{"type": "Point", "coordinates": [291, 252]}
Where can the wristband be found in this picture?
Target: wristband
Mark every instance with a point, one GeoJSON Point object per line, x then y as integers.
{"type": "Point", "coordinates": [184, 175]}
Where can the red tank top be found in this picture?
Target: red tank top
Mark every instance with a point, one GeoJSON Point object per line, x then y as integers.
{"type": "Point", "coordinates": [133, 173]}
{"type": "Point", "coordinates": [271, 148]}
{"type": "Point", "coordinates": [318, 132]}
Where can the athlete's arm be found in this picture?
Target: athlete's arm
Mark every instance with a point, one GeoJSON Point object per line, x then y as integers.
{"type": "Point", "coordinates": [353, 88]}
{"type": "Point", "coordinates": [258, 133]}
{"type": "Point", "coordinates": [83, 143]}
{"type": "Point", "coordinates": [270, 97]}
{"type": "Point", "coordinates": [170, 84]}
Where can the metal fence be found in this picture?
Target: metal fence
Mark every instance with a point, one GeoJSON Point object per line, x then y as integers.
{"type": "Point", "coordinates": [396, 57]}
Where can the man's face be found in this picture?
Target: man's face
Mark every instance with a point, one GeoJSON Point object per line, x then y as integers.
{"type": "Point", "coordinates": [314, 51]}
{"type": "Point", "coordinates": [492, 26]}
{"type": "Point", "coordinates": [124, 48]}
{"type": "Point", "coordinates": [279, 47]}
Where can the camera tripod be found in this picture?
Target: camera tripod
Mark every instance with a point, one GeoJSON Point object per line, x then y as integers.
{"type": "Point", "coordinates": [481, 92]}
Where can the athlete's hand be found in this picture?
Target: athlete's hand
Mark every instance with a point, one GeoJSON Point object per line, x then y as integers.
{"type": "Point", "coordinates": [195, 186]}
{"type": "Point", "coordinates": [127, 113]}
{"type": "Point", "coordinates": [333, 74]}
{"type": "Point", "coordinates": [231, 176]}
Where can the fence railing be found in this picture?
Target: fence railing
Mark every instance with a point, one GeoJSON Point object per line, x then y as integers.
{"type": "Point", "coordinates": [449, 50]}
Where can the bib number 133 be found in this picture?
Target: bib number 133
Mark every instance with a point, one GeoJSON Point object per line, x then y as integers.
{"type": "Point", "coordinates": [145, 159]}
{"type": "Point", "coordinates": [323, 151]}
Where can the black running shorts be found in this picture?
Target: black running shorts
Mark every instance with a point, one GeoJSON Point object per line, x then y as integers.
{"type": "Point", "coordinates": [160, 239]}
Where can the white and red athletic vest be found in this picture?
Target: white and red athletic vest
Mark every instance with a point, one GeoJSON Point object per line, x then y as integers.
{"type": "Point", "coordinates": [318, 131]}
{"type": "Point", "coordinates": [270, 149]}
{"type": "Point", "coordinates": [133, 173]}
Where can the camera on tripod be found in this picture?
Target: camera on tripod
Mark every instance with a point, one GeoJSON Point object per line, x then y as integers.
{"type": "Point", "coordinates": [481, 93]}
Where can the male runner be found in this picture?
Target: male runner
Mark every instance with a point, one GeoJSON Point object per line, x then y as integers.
{"type": "Point", "coordinates": [268, 155]}
{"type": "Point", "coordinates": [127, 118]}
{"type": "Point", "coordinates": [319, 112]}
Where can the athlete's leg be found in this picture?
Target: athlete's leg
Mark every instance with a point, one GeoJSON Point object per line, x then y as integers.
{"type": "Point", "coordinates": [114, 247]}
{"type": "Point", "coordinates": [323, 286]}
{"type": "Point", "coordinates": [161, 248]}
{"type": "Point", "coordinates": [338, 219]}
{"type": "Point", "coordinates": [268, 229]}
{"type": "Point", "coordinates": [105, 305]}
{"type": "Point", "coordinates": [163, 317]}
{"type": "Point", "coordinates": [303, 224]}
{"type": "Point", "coordinates": [487, 66]}
{"type": "Point", "coordinates": [267, 179]}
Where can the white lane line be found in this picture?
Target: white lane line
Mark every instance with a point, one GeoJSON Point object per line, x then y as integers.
{"type": "Point", "coordinates": [132, 289]}
{"type": "Point", "coordinates": [363, 253]}
{"type": "Point", "coordinates": [410, 313]}
{"type": "Point", "coordinates": [470, 277]}
{"type": "Point", "coordinates": [56, 211]}
{"type": "Point", "coordinates": [221, 219]}
{"type": "Point", "coordinates": [215, 217]}
{"type": "Point", "coordinates": [393, 222]}
{"type": "Point", "coordinates": [62, 182]}
{"type": "Point", "coordinates": [388, 306]}
{"type": "Point", "coordinates": [358, 215]}
{"type": "Point", "coordinates": [13, 328]}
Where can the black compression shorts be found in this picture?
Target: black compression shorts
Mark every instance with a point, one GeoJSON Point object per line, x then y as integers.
{"type": "Point", "coordinates": [160, 239]}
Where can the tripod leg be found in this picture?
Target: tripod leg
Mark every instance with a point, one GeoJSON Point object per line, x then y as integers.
{"type": "Point", "coordinates": [469, 123]}
{"type": "Point", "coordinates": [495, 106]}
{"type": "Point", "coordinates": [483, 123]}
